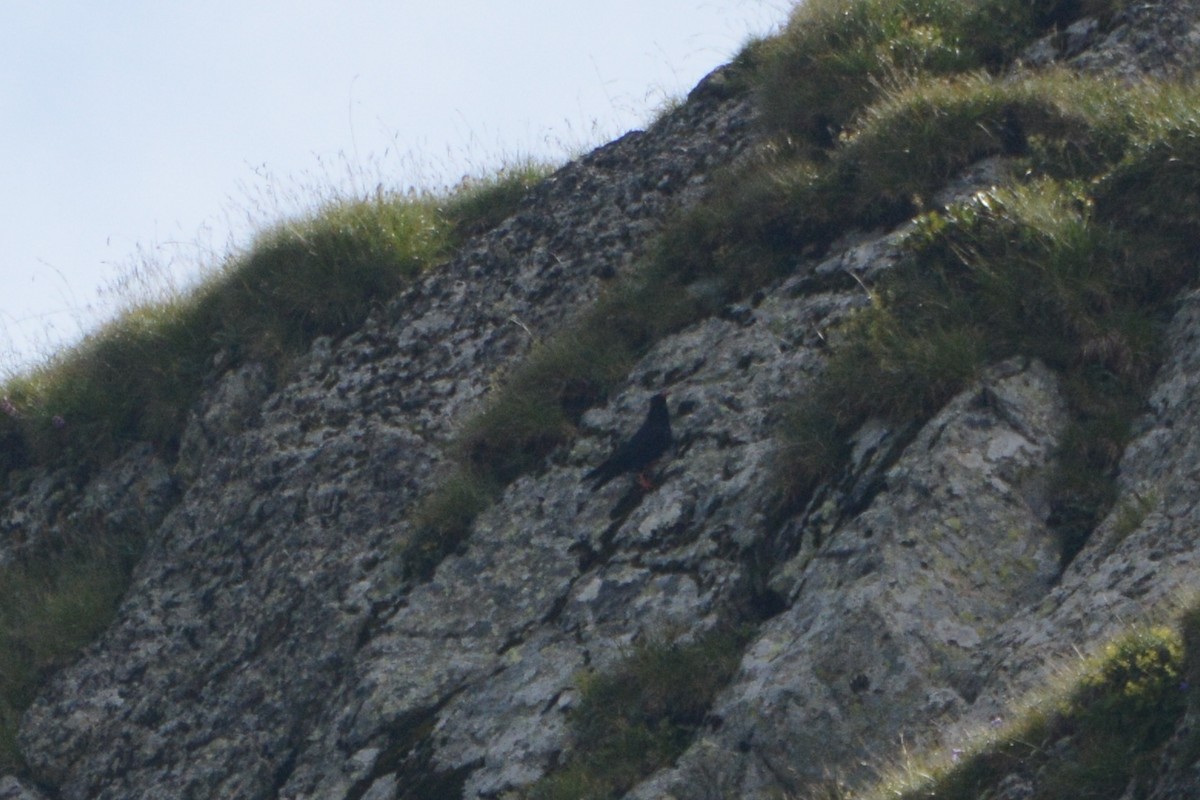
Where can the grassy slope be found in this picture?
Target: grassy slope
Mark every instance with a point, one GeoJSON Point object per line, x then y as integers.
{"type": "Point", "coordinates": [873, 105]}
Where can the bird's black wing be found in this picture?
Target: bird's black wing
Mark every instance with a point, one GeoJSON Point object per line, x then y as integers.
{"type": "Point", "coordinates": [642, 449]}
{"type": "Point", "coordinates": [612, 466]}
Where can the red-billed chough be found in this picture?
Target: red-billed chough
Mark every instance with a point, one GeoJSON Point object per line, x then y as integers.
{"type": "Point", "coordinates": [643, 449]}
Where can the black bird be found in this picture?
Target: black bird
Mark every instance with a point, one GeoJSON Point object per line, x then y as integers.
{"type": "Point", "coordinates": [643, 449]}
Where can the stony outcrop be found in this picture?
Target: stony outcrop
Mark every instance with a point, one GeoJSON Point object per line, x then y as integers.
{"type": "Point", "coordinates": [270, 646]}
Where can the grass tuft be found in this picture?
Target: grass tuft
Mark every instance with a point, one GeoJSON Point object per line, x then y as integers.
{"type": "Point", "coordinates": [837, 57]}
{"type": "Point", "coordinates": [641, 715]}
{"type": "Point", "coordinates": [320, 275]}
{"type": "Point", "coordinates": [479, 204]}
{"type": "Point", "coordinates": [50, 607]}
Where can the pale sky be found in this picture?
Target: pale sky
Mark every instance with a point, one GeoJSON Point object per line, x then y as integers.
{"type": "Point", "coordinates": [139, 136]}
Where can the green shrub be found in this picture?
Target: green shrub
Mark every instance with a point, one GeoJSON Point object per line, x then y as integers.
{"type": "Point", "coordinates": [1119, 715]}
{"type": "Point", "coordinates": [1134, 694]}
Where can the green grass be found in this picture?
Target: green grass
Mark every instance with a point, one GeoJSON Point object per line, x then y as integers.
{"type": "Point", "coordinates": [136, 378]}
{"type": "Point", "coordinates": [836, 57]}
{"type": "Point", "coordinates": [1096, 739]}
{"type": "Point", "coordinates": [640, 715]}
{"type": "Point", "coordinates": [317, 275]}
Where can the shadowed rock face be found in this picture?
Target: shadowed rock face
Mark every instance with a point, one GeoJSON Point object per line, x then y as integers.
{"type": "Point", "coordinates": [269, 647]}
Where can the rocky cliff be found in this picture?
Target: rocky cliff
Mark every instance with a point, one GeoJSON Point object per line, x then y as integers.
{"type": "Point", "coordinates": [273, 645]}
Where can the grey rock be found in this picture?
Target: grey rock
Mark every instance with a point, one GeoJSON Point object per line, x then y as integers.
{"type": "Point", "coordinates": [876, 647]}
{"type": "Point", "coordinates": [131, 495]}
{"type": "Point", "coordinates": [550, 584]}
{"type": "Point", "coordinates": [1015, 787]}
{"type": "Point", "coordinates": [1079, 36]}
{"type": "Point", "coordinates": [1077, 39]}
{"type": "Point", "coordinates": [1158, 39]}
{"type": "Point", "coordinates": [225, 410]}
{"type": "Point", "coordinates": [1121, 575]}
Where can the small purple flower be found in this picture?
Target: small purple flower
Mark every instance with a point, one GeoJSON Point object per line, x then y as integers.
{"type": "Point", "coordinates": [997, 721]}
{"type": "Point", "coordinates": [8, 408]}
{"type": "Point", "coordinates": [956, 754]}
{"type": "Point", "coordinates": [58, 422]}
